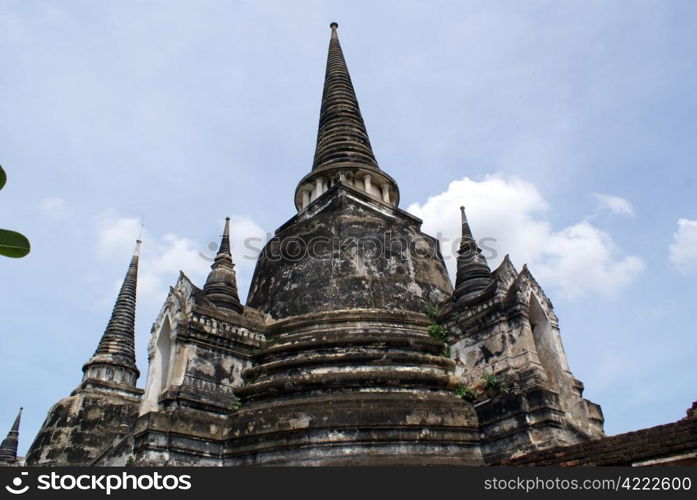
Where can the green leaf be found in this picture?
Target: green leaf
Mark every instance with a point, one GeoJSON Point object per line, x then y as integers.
{"type": "Point", "coordinates": [13, 244]}
{"type": "Point", "coordinates": [3, 178]}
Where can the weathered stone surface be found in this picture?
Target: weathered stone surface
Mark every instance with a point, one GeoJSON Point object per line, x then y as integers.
{"type": "Point", "coordinates": [79, 428]}
{"type": "Point", "coordinates": [348, 252]}
{"type": "Point", "coordinates": [509, 330]}
{"type": "Point", "coordinates": [668, 444]}
{"type": "Point", "coordinates": [198, 352]}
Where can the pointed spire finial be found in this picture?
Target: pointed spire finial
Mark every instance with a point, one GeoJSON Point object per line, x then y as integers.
{"type": "Point", "coordinates": [15, 427]}
{"type": "Point", "coordinates": [343, 147]}
{"type": "Point", "coordinates": [221, 285]}
{"type": "Point", "coordinates": [473, 273]}
{"type": "Point", "coordinates": [466, 231]}
{"type": "Point", "coordinates": [342, 136]}
{"type": "Point", "coordinates": [8, 447]}
{"type": "Point", "coordinates": [224, 248]}
{"type": "Point", "coordinates": [140, 239]}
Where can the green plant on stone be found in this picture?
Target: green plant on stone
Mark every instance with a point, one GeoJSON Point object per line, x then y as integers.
{"type": "Point", "coordinates": [466, 393]}
{"type": "Point", "coordinates": [436, 329]}
{"type": "Point", "coordinates": [492, 381]}
{"type": "Point", "coordinates": [437, 332]}
{"type": "Point", "coordinates": [130, 461]}
{"type": "Point", "coordinates": [236, 404]}
{"type": "Point", "coordinates": [432, 311]}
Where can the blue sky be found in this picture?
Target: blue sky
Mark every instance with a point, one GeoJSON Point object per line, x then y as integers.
{"type": "Point", "coordinates": [566, 127]}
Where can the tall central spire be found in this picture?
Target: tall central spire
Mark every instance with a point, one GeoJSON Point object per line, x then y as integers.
{"type": "Point", "coordinates": [342, 136]}
{"type": "Point", "coordinates": [343, 154]}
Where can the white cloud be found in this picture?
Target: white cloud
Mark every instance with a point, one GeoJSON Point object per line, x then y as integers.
{"type": "Point", "coordinates": [162, 257]}
{"type": "Point", "coordinates": [247, 239]}
{"type": "Point", "coordinates": [507, 216]}
{"type": "Point", "coordinates": [117, 236]}
{"type": "Point", "coordinates": [582, 258]}
{"type": "Point", "coordinates": [683, 250]}
{"type": "Point", "coordinates": [55, 208]}
{"type": "Point", "coordinates": [615, 204]}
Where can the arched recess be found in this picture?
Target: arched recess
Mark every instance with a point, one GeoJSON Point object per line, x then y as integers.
{"type": "Point", "coordinates": [160, 366]}
{"type": "Point", "coordinates": [546, 345]}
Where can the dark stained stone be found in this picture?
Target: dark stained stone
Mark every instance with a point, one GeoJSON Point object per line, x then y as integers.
{"type": "Point", "coordinates": [349, 254]}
